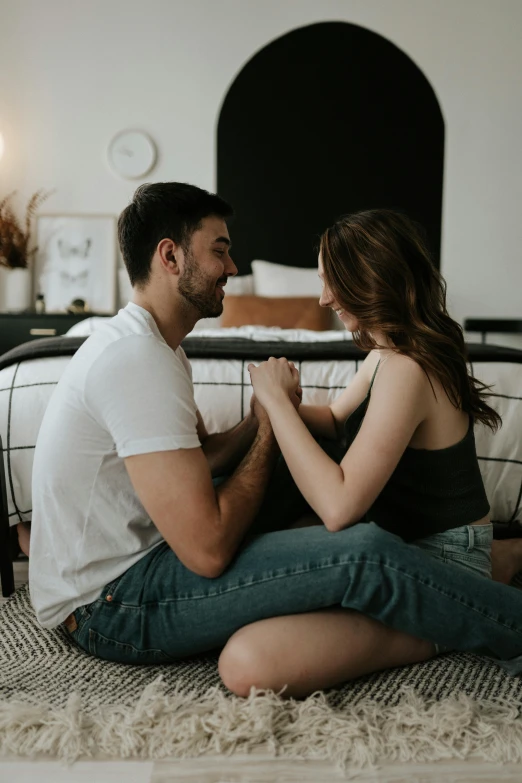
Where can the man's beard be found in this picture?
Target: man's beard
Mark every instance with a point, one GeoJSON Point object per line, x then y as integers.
{"type": "Point", "coordinates": [199, 290]}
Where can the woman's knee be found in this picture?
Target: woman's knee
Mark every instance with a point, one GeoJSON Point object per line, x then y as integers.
{"type": "Point", "coordinates": [241, 665]}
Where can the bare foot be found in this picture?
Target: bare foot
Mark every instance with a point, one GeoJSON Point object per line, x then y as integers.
{"type": "Point", "coordinates": [24, 536]}
{"type": "Point", "coordinates": [506, 559]}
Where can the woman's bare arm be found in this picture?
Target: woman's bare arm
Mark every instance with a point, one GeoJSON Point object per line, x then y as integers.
{"type": "Point", "coordinates": [328, 420]}
{"type": "Point", "coordinates": [341, 494]}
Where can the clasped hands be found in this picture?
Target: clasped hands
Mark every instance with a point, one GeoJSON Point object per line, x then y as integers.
{"type": "Point", "coordinates": [274, 381]}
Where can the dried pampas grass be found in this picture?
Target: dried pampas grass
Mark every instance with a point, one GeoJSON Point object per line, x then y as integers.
{"type": "Point", "coordinates": [14, 235]}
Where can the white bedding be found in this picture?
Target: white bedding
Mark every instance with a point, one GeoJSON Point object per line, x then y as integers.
{"type": "Point", "coordinates": [261, 333]}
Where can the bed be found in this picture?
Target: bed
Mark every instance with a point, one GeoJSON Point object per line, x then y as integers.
{"type": "Point", "coordinates": [327, 361]}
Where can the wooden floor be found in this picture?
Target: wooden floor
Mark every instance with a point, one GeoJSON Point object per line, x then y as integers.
{"type": "Point", "coordinates": [240, 768]}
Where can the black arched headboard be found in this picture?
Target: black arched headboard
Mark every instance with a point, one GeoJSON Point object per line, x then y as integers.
{"type": "Point", "coordinates": [328, 119]}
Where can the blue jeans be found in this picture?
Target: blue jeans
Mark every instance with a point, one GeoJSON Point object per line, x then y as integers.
{"type": "Point", "coordinates": [158, 611]}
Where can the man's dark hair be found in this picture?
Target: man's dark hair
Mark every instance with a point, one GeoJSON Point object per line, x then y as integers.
{"type": "Point", "coordinates": [163, 210]}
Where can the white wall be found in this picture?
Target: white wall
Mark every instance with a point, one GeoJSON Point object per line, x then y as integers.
{"type": "Point", "coordinates": [73, 73]}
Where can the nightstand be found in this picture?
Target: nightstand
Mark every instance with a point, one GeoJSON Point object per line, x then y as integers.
{"type": "Point", "coordinates": [17, 328]}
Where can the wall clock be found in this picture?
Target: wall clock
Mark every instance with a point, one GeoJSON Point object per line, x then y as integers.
{"type": "Point", "coordinates": [131, 154]}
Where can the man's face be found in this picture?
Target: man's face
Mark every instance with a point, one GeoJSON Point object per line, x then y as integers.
{"type": "Point", "coordinates": [207, 266]}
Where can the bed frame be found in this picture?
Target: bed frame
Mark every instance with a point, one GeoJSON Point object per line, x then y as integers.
{"type": "Point", "coordinates": [211, 348]}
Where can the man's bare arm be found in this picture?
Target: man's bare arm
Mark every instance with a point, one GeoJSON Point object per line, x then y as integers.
{"type": "Point", "coordinates": [203, 526]}
{"type": "Point", "coordinates": [240, 497]}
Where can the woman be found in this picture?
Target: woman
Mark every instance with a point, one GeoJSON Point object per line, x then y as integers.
{"type": "Point", "coordinates": [407, 417]}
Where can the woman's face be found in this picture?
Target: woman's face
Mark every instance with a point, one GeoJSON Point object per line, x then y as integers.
{"type": "Point", "coordinates": [327, 299]}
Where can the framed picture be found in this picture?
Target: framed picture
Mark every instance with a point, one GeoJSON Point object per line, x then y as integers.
{"type": "Point", "coordinates": [76, 259]}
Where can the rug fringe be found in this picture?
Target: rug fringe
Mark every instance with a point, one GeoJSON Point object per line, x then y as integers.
{"type": "Point", "coordinates": [184, 724]}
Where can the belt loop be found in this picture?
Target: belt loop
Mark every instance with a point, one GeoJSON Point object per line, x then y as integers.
{"type": "Point", "coordinates": [471, 538]}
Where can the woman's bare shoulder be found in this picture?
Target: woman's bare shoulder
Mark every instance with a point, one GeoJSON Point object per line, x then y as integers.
{"type": "Point", "coordinates": [372, 360]}
{"type": "Point", "coordinates": [395, 364]}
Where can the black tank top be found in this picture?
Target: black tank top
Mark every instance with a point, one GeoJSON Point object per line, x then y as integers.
{"type": "Point", "coordinates": [430, 490]}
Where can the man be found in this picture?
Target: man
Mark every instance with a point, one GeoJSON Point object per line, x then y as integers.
{"type": "Point", "coordinates": [146, 560]}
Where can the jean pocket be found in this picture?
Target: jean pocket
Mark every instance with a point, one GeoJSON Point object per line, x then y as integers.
{"type": "Point", "coordinates": [120, 652]}
{"type": "Point", "coordinates": [477, 559]}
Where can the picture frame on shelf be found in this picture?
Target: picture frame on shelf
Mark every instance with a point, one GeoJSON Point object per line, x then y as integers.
{"type": "Point", "coordinates": [76, 260]}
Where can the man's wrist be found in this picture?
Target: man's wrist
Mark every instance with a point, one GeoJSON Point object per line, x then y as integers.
{"type": "Point", "coordinates": [265, 434]}
{"type": "Point", "coordinates": [250, 422]}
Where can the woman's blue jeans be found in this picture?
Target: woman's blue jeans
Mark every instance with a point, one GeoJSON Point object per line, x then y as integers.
{"type": "Point", "coordinates": [159, 611]}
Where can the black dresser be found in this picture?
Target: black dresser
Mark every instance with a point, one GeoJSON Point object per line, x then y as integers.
{"type": "Point", "coordinates": [17, 328]}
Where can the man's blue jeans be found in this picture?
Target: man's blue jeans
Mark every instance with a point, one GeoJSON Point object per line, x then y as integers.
{"type": "Point", "coordinates": [159, 611]}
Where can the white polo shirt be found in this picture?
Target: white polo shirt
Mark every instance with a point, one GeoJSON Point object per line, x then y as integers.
{"type": "Point", "coordinates": [124, 392]}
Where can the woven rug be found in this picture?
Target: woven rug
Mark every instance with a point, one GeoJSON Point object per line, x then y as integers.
{"type": "Point", "coordinates": [56, 699]}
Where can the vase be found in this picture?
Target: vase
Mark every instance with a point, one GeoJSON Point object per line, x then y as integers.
{"type": "Point", "coordinates": [15, 289]}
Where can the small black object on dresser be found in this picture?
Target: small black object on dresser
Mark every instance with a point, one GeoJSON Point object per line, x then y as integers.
{"type": "Point", "coordinates": [18, 328]}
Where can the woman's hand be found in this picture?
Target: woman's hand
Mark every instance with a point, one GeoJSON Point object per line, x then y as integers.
{"type": "Point", "coordinates": [276, 378]}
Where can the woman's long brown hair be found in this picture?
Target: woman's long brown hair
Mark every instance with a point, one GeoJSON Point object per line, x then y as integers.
{"type": "Point", "coordinates": [378, 268]}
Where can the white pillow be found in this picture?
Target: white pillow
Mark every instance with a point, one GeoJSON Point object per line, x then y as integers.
{"type": "Point", "coordinates": [278, 280]}
{"type": "Point", "coordinates": [240, 284]}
